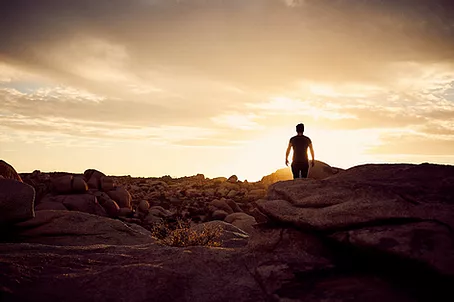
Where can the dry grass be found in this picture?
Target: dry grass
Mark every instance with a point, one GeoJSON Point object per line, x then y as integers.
{"type": "Point", "coordinates": [181, 235]}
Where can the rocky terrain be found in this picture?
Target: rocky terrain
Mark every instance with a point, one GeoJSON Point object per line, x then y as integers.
{"type": "Point", "coordinates": [369, 233]}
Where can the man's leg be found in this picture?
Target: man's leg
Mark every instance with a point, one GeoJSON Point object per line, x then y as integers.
{"type": "Point", "coordinates": [304, 170]}
{"type": "Point", "coordinates": [295, 171]}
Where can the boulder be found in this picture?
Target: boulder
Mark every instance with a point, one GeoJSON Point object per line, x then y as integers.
{"type": "Point", "coordinates": [93, 178]}
{"type": "Point", "coordinates": [259, 216]}
{"type": "Point", "coordinates": [77, 229]}
{"type": "Point", "coordinates": [125, 212]}
{"type": "Point", "coordinates": [232, 193]}
{"type": "Point", "coordinates": [110, 206]}
{"type": "Point", "coordinates": [322, 170]}
{"type": "Point", "coordinates": [68, 184]}
{"type": "Point", "coordinates": [242, 221]}
{"type": "Point", "coordinates": [107, 183]}
{"type": "Point", "coordinates": [233, 179]}
{"type": "Point", "coordinates": [121, 196]}
{"type": "Point", "coordinates": [8, 172]}
{"type": "Point", "coordinates": [16, 201]}
{"type": "Point", "coordinates": [256, 194]}
{"type": "Point", "coordinates": [159, 212]}
{"type": "Point", "coordinates": [144, 206]}
{"type": "Point", "coordinates": [43, 206]}
{"type": "Point", "coordinates": [219, 180]}
{"type": "Point", "coordinates": [79, 186]}
{"type": "Point", "coordinates": [219, 215]}
{"type": "Point", "coordinates": [62, 184]}
{"type": "Point", "coordinates": [86, 203]}
{"type": "Point", "coordinates": [221, 204]}
{"type": "Point", "coordinates": [233, 205]}
{"type": "Point", "coordinates": [384, 207]}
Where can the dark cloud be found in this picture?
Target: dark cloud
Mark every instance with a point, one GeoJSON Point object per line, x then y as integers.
{"type": "Point", "coordinates": [256, 43]}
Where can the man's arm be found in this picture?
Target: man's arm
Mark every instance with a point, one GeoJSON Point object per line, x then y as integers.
{"type": "Point", "coordinates": [312, 154]}
{"type": "Point", "coordinates": [287, 153]}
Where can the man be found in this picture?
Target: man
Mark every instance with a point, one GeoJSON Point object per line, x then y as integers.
{"type": "Point", "coordinates": [300, 162]}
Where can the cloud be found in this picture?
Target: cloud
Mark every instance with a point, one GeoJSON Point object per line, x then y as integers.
{"type": "Point", "coordinates": [267, 45]}
{"type": "Point", "coordinates": [182, 72]}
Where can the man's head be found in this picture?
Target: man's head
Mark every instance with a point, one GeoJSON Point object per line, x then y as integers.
{"type": "Point", "coordinates": [300, 128]}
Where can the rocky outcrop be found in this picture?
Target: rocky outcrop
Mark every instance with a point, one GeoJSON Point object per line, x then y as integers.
{"type": "Point", "coordinates": [403, 210]}
{"type": "Point", "coordinates": [69, 184]}
{"type": "Point", "coordinates": [371, 233]}
{"type": "Point", "coordinates": [8, 172]}
{"type": "Point", "coordinates": [76, 228]}
{"type": "Point", "coordinates": [16, 201]}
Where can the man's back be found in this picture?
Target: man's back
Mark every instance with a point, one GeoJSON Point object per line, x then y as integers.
{"type": "Point", "coordinates": [300, 143]}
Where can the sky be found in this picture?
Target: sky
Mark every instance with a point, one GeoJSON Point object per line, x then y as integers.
{"type": "Point", "coordinates": [180, 87]}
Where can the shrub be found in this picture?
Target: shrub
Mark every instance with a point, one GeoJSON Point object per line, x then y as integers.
{"type": "Point", "coordinates": [180, 234]}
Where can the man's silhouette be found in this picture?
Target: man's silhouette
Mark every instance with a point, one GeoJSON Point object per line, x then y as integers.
{"type": "Point", "coordinates": [300, 162]}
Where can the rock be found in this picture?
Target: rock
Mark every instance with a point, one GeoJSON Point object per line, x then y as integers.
{"type": "Point", "coordinates": [219, 180]}
{"type": "Point", "coordinates": [79, 186]}
{"type": "Point", "coordinates": [256, 194]}
{"type": "Point", "coordinates": [233, 205]}
{"type": "Point", "coordinates": [430, 242]}
{"type": "Point", "coordinates": [62, 184]}
{"type": "Point", "coordinates": [222, 192]}
{"type": "Point", "coordinates": [93, 178]}
{"type": "Point", "coordinates": [121, 196]}
{"type": "Point", "coordinates": [86, 203]}
{"type": "Point", "coordinates": [232, 193]}
{"type": "Point", "coordinates": [144, 206]}
{"type": "Point", "coordinates": [45, 206]}
{"type": "Point", "coordinates": [221, 204]}
{"type": "Point", "coordinates": [158, 185]}
{"type": "Point", "coordinates": [16, 201]}
{"type": "Point", "coordinates": [384, 207]}
{"type": "Point", "coordinates": [68, 184]}
{"type": "Point", "coordinates": [125, 212]}
{"type": "Point", "coordinates": [219, 215]}
{"type": "Point", "coordinates": [107, 183]}
{"type": "Point", "coordinates": [259, 216]}
{"type": "Point", "coordinates": [242, 221]}
{"type": "Point", "coordinates": [322, 170]}
{"type": "Point", "coordinates": [8, 172]}
{"type": "Point", "coordinates": [233, 179]}
{"type": "Point", "coordinates": [355, 258]}
{"type": "Point", "coordinates": [152, 219]}
{"type": "Point", "coordinates": [209, 192]}
{"type": "Point", "coordinates": [110, 206]}
{"type": "Point", "coordinates": [77, 228]}
{"type": "Point", "coordinates": [159, 212]}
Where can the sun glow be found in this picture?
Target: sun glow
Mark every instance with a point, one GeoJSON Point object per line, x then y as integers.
{"type": "Point", "coordinates": [342, 149]}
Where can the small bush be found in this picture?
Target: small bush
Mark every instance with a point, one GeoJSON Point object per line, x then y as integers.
{"type": "Point", "coordinates": [180, 234]}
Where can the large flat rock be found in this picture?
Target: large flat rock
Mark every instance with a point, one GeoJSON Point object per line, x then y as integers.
{"type": "Point", "coordinates": [76, 228]}
{"type": "Point", "coordinates": [402, 201]}
{"type": "Point", "coordinates": [279, 265]}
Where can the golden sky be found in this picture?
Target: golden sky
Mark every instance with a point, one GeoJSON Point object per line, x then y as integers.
{"type": "Point", "coordinates": [166, 87]}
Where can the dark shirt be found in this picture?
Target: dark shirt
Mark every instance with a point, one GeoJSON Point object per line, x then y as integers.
{"type": "Point", "coordinates": [300, 143]}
